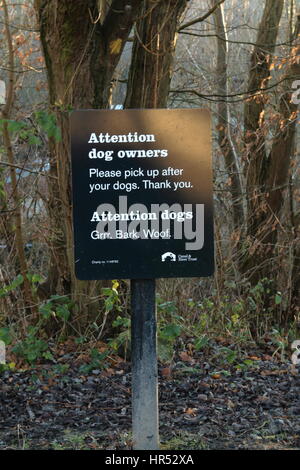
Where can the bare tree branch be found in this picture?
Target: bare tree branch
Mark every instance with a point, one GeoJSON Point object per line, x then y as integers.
{"type": "Point", "coordinates": [201, 18]}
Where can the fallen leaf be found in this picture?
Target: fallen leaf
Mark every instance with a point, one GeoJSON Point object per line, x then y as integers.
{"type": "Point", "coordinates": [190, 411]}
{"type": "Point", "coordinates": [166, 372]}
{"type": "Point", "coordinates": [216, 376]}
{"type": "Point", "coordinates": [262, 399]}
{"type": "Point", "coordinates": [267, 357]}
{"type": "Point", "coordinates": [51, 382]}
{"type": "Point", "coordinates": [266, 373]}
{"type": "Point", "coordinates": [184, 356]}
{"type": "Point", "coordinates": [108, 372]}
{"type": "Point", "coordinates": [222, 340]}
{"type": "Point", "coordinates": [294, 370]}
{"type": "Point", "coordinates": [230, 404]}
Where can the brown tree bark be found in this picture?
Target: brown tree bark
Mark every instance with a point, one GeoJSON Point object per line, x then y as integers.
{"type": "Point", "coordinates": [259, 75]}
{"type": "Point", "coordinates": [256, 157]}
{"type": "Point", "coordinates": [154, 45]}
{"type": "Point", "coordinates": [281, 155]}
{"type": "Point", "coordinates": [267, 177]}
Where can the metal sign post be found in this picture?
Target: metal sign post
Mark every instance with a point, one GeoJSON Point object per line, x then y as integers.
{"type": "Point", "coordinates": [144, 365]}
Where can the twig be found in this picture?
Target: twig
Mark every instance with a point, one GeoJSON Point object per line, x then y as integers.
{"type": "Point", "coordinates": [201, 18]}
{"type": "Point", "coordinates": [27, 169]}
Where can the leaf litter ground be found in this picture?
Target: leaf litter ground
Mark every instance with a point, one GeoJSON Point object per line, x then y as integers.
{"type": "Point", "coordinates": [203, 404]}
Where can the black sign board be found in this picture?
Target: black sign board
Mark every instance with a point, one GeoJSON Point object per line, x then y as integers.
{"type": "Point", "coordinates": [142, 193]}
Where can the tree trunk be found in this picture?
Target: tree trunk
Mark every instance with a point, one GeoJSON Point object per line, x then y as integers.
{"type": "Point", "coordinates": [259, 75]}
{"type": "Point", "coordinates": [257, 166]}
{"type": "Point", "coordinates": [271, 181]}
{"type": "Point", "coordinates": [154, 45]}
{"type": "Point", "coordinates": [224, 137]}
{"type": "Point", "coordinates": [81, 52]}
{"type": "Point", "coordinates": [16, 226]}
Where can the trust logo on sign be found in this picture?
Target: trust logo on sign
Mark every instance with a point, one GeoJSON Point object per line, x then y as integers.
{"type": "Point", "coordinates": [168, 256]}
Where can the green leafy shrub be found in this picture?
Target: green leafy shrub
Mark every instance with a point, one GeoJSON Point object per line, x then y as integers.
{"type": "Point", "coordinates": [97, 361]}
{"type": "Point", "coordinates": [32, 347]}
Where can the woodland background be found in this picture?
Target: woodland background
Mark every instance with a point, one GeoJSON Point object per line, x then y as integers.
{"type": "Point", "coordinates": [238, 59]}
